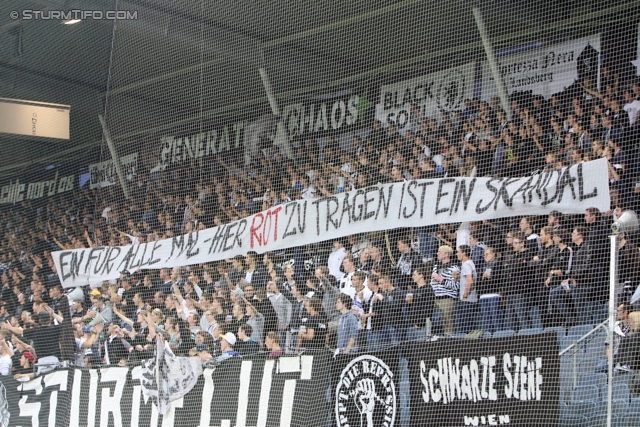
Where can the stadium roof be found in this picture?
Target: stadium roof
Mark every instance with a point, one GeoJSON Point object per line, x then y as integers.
{"type": "Point", "coordinates": [180, 58]}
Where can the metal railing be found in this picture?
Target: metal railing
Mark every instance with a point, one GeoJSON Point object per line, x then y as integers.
{"type": "Point", "coordinates": [575, 345]}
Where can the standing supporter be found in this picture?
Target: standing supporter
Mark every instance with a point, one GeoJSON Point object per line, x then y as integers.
{"type": "Point", "coordinates": [533, 244]}
{"type": "Point", "coordinates": [247, 344]}
{"type": "Point", "coordinates": [335, 259]}
{"type": "Point", "coordinates": [445, 281]}
{"type": "Point", "coordinates": [165, 278]}
{"type": "Point", "coordinates": [114, 349]}
{"type": "Point", "coordinates": [629, 273]}
{"type": "Point", "coordinates": [298, 309]}
{"type": "Point", "coordinates": [313, 328]}
{"type": "Point", "coordinates": [391, 311]}
{"type": "Point", "coordinates": [347, 326]}
{"type": "Point", "coordinates": [264, 306]}
{"type": "Point", "coordinates": [6, 353]}
{"type": "Point", "coordinates": [256, 321]}
{"type": "Point", "coordinates": [372, 258]}
{"type": "Point", "coordinates": [559, 272]}
{"type": "Point", "coordinates": [517, 284]}
{"type": "Point", "coordinates": [227, 345]}
{"type": "Point", "coordinates": [541, 264]}
{"type": "Point", "coordinates": [409, 260]}
{"type": "Point", "coordinates": [358, 244]}
{"type": "Point", "coordinates": [421, 303]}
{"type": "Point", "coordinates": [578, 286]}
{"type": "Point", "coordinates": [236, 272]}
{"type": "Point", "coordinates": [467, 307]}
{"type": "Point", "coordinates": [282, 308]}
{"type": "Point", "coordinates": [256, 274]}
{"type": "Point", "coordinates": [288, 283]}
{"type": "Point", "coordinates": [489, 292]}
{"type": "Point", "coordinates": [373, 316]}
{"type": "Point", "coordinates": [272, 342]}
{"type": "Point", "coordinates": [597, 239]}
{"type": "Point", "coordinates": [477, 249]}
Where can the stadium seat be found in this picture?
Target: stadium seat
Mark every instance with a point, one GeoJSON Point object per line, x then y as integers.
{"type": "Point", "coordinates": [620, 407]}
{"type": "Point", "coordinates": [569, 340]}
{"type": "Point", "coordinates": [504, 333]}
{"type": "Point", "coordinates": [586, 366]}
{"type": "Point", "coordinates": [562, 332]}
{"type": "Point", "coordinates": [532, 331]}
{"type": "Point", "coordinates": [634, 404]}
{"type": "Point", "coordinates": [622, 377]}
{"type": "Point", "coordinates": [580, 330]}
{"type": "Point", "coordinates": [631, 419]}
{"type": "Point", "coordinates": [595, 350]}
{"type": "Point", "coordinates": [620, 392]}
{"type": "Point", "coordinates": [586, 393]}
{"type": "Point", "coordinates": [457, 335]}
{"type": "Point", "coordinates": [591, 378]}
{"type": "Point", "coordinates": [574, 422]}
{"type": "Point", "coordinates": [564, 411]}
{"type": "Point", "coordinates": [601, 421]}
{"type": "Point", "coordinates": [581, 409]}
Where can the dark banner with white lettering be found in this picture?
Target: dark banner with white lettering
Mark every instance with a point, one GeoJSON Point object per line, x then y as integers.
{"type": "Point", "coordinates": [252, 391]}
{"type": "Point", "coordinates": [504, 381]}
{"type": "Point", "coordinates": [365, 389]}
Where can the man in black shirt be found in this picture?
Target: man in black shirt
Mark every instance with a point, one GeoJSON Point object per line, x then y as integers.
{"type": "Point", "coordinates": [45, 337]}
{"type": "Point", "coordinates": [246, 345]}
{"type": "Point", "coordinates": [313, 327]}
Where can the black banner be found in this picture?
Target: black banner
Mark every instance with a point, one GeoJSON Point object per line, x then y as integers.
{"type": "Point", "coordinates": [366, 389]}
{"type": "Point", "coordinates": [512, 381]}
{"type": "Point", "coordinates": [251, 391]}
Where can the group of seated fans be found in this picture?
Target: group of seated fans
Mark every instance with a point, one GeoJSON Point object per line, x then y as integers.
{"type": "Point", "coordinates": [361, 293]}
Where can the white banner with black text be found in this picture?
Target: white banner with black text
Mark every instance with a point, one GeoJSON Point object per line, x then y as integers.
{"type": "Point", "coordinates": [376, 208]}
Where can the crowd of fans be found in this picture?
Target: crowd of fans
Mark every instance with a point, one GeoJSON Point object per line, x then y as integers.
{"type": "Point", "coordinates": [361, 293]}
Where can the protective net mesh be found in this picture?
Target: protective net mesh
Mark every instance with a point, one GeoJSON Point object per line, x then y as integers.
{"type": "Point", "coordinates": [319, 213]}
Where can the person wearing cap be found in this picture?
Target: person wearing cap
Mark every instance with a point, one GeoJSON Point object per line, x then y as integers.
{"type": "Point", "coordinates": [227, 344]}
{"type": "Point", "coordinates": [335, 259]}
{"type": "Point", "coordinates": [445, 282]}
{"type": "Point", "coordinates": [27, 360]}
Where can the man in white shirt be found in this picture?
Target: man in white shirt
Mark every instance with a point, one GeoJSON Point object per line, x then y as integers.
{"type": "Point", "coordinates": [632, 106]}
{"type": "Point", "coordinates": [467, 307]}
{"type": "Point", "coordinates": [335, 259]}
{"type": "Point", "coordinates": [5, 357]}
{"type": "Point", "coordinates": [345, 284]}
